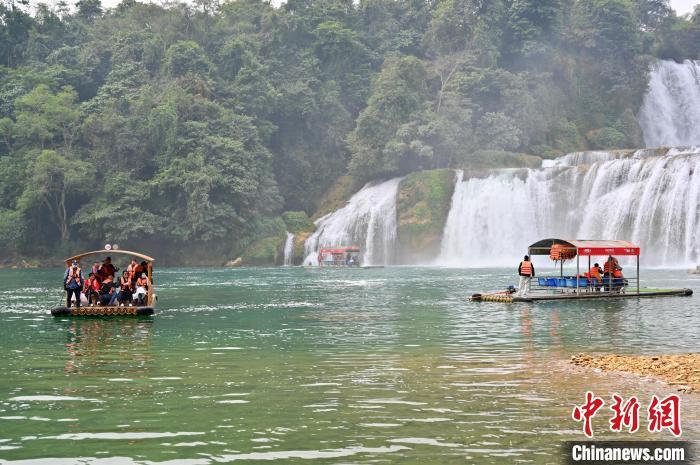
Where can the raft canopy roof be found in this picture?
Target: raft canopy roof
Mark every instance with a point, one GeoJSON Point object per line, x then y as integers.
{"type": "Point", "coordinates": [110, 252]}
{"type": "Point", "coordinates": [340, 250]}
{"type": "Point", "coordinates": [585, 247]}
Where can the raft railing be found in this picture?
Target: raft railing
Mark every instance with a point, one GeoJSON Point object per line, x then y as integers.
{"type": "Point", "coordinates": [581, 284]}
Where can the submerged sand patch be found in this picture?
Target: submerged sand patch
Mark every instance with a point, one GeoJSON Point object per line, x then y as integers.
{"type": "Point", "coordinates": [679, 370]}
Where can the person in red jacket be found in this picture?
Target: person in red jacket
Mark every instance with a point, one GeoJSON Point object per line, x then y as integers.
{"type": "Point", "coordinates": [92, 289]}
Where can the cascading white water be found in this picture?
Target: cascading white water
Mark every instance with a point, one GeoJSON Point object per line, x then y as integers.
{"type": "Point", "coordinates": [652, 200]}
{"type": "Point", "coordinates": [670, 113]}
{"type": "Point", "coordinates": [288, 249]}
{"type": "Point", "coordinates": [368, 220]}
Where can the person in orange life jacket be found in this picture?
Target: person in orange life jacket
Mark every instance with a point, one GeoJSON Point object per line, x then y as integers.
{"type": "Point", "coordinates": [595, 274]}
{"type": "Point", "coordinates": [125, 290]}
{"type": "Point", "coordinates": [132, 269]}
{"type": "Point", "coordinates": [612, 266]}
{"type": "Point", "coordinates": [526, 271]}
{"type": "Point", "coordinates": [107, 269]}
{"type": "Point", "coordinates": [141, 289]}
{"type": "Point", "coordinates": [73, 283]}
{"type": "Point", "coordinates": [92, 289]}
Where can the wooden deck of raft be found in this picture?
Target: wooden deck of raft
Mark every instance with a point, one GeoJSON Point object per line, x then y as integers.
{"type": "Point", "coordinates": [535, 297]}
{"type": "Point", "coordinates": [103, 311]}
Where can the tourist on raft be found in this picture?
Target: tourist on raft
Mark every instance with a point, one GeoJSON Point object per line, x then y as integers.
{"type": "Point", "coordinates": [107, 294]}
{"type": "Point", "coordinates": [141, 289]}
{"type": "Point", "coordinates": [595, 274]}
{"type": "Point", "coordinates": [526, 271]}
{"type": "Point", "coordinates": [73, 283]}
{"type": "Point", "coordinates": [92, 289]}
{"type": "Point", "coordinates": [612, 268]}
{"type": "Point", "coordinates": [125, 290]}
{"type": "Point", "coordinates": [107, 269]}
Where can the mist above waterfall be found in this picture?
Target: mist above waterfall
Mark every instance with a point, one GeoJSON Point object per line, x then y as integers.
{"type": "Point", "coordinates": [670, 113]}
{"type": "Point", "coordinates": [652, 200]}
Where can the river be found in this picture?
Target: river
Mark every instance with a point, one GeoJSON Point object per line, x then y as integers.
{"type": "Point", "coordinates": [299, 365]}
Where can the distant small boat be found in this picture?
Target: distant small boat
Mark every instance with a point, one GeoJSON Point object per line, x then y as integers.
{"type": "Point", "coordinates": [339, 257]}
{"type": "Point", "coordinates": [112, 310]}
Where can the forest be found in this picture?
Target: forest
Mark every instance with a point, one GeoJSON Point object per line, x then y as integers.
{"type": "Point", "coordinates": [197, 128]}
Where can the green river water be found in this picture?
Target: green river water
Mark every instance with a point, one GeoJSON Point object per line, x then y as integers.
{"type": "Point", "coordinates": [343, 366]}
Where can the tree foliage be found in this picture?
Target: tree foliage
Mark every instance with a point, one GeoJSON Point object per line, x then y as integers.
{"type": "Point", "coordinates": [201, 123]}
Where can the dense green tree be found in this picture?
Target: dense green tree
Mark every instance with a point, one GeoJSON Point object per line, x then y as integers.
{"type": "Point", "coordinates": [53, 186]}
{"type": "Point", "coordinates": [397, 94]}
{"type": "Point", "coordinates": [199, 124]}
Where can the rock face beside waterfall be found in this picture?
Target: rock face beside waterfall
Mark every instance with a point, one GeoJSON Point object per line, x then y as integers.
{"type": "Point", "coordinates": [300, 226]}
{"type": "Point", "coordinates": [423, 204]}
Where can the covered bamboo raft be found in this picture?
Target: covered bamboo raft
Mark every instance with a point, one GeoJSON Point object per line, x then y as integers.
{"type": "Point", "coordinates": [147, 309]}
{"type": "Point", "coordinates": [582, 286]}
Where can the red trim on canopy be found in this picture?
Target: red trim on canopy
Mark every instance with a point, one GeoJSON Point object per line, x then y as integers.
{"type": "Point", "coordinates": [340, 250]}
{"type": "Point", "coordinates": [586, 247]}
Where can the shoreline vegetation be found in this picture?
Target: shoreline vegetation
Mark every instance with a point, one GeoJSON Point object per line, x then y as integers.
{"type": "Point", "coordinates": [680, 371]}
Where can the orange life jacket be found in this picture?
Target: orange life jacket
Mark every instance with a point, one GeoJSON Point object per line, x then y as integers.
{"type": "Point", "coordinates": [560, 252]}
{"type": "Point", "coordinates": [526, 268]}
{"type": "Point", "coordinates": [595, 273]}
{"type": "Point", "coordinates": [617, 272]}
{"type": "Point", "coordinates": [607, 267]}
{"type": "Point", "coordinates": [125, 283]}
{"type": "Point", "coordinates": [143, 282]}
{"type": "Point", "coordinates": [74, 273]}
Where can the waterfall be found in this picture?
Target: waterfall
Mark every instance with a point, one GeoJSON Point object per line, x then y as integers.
{"type": "Point", "coordinates": [650, 199]}
{"type": "Point", "coordinates": [368, 220]}
{"type": "Point", "coordinates": [670, 112]}
{"type": "Point", "coordinates": [288, 249]}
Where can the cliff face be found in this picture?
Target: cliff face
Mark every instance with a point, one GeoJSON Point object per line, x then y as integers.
{"type": "Point", "coordinates": [422, 207]}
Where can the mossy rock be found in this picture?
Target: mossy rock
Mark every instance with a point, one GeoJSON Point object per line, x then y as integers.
{"type": "Point", "coordinates": [337, 196]}
{"type": "Point", "coordinates": [487, 159]}
{"type": "Point", "coordinates": [268, 248]}
{"type": "Point", "coordinates": [264, 251]}
{"type": "Point", "coordinates": [298, 255]}
{"type": "Point", "coordinates": [297, 222]}
{"type": "Point", "coordinates": [423, 205]}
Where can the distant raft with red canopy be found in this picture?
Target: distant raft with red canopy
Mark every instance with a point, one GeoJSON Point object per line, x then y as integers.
{"type": "Point", "coordinates": [346, 256]}
{"type": "Point", "coordinates": [612, 284]}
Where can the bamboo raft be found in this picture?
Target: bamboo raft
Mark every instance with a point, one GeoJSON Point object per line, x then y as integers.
{"type": "Point", "coordinates": [102, 311]}
{"type": "Point", "coordinates": [578, 286]}
{"type": "Point", "coordinates": [112, 310]}
{"type": "Point", "coordinates": [535, 297]}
